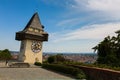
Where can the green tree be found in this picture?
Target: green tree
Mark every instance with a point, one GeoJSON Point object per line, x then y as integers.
{"type": "Point", "coordinates": [56, 58]}
{"type": "Point", "coordinates": [51, 59]}
{"type": "Point", "coordinates": [5, 55]}
{"type": "Point", "coordinates": [118, 44]}
{"type": "Point", "coordinates": [60, 58]}
{"type": "Point", "coordinates": [109, 50]}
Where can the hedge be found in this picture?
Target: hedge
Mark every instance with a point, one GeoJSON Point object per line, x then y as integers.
{"type": "Point", "coordinates": [117, 68]}
{"type": "Point", "coordinates": [37, 64]}
{"type": "Point", "coordinates": [65, 69]}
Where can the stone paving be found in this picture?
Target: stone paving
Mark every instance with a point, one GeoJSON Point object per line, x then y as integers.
{"type": "Point", "coordinates": [33, 73]}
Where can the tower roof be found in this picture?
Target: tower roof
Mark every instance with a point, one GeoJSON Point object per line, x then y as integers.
{"type": "Point", "coordinates": [33, 30]}
{"type": "Point", "coordinates": [34, 22]}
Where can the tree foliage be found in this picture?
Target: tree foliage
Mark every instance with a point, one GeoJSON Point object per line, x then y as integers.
{"type": "Point", "coordinates": [5, 55]}
{"type": "Point", "coordinates": [56, 58]}
{"type": "Point", "coordinates": [51, 59]}
{"type": "Point", "coordinates": [109, 50]}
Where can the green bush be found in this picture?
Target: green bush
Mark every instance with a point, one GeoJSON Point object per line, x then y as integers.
{"type": "Point", "coordinates": [51, 59]}
{"type": "Point", "coordinates": [5, 55]}
{"type": "Point", "coordinates": [37, 64]}
{"type": "Point", "coordinates": [65, 69]}
{"type": "Point", "coordinates": [60, 58]}
{"type": "Point", "coordinates": [107, 67]}
{"type": "Point", "coordinates": [56, 59]}
{"type": "Point", "coordinates": [94, 65]}
{"type": "Point", "coordinates": [81, 76]}
{"type": "Point", "coordinates": [45, 61]}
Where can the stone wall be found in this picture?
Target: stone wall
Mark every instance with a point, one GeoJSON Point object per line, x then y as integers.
{"type": "Point", "coordinates": [27, 55]}
{"type": "Point", "coordinates": [100, 74]}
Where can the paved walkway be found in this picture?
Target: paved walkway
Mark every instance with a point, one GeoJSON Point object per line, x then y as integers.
{"type": "Point", "coordinates": [30, 74]}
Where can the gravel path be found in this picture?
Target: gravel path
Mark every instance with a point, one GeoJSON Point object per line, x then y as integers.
{"type": "Point", "coordinates": [30, 74]}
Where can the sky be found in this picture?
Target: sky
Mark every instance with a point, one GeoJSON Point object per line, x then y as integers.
{"type": "Point", "coordinates": [73, 25]}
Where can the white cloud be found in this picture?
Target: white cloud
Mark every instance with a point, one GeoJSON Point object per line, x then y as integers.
{"type": "Point", "coordinates": [90, 12]}
{"type": "Point", "coordinates": [104, 5]}
{"type": "Point", "coordinates": [95, 31]}
{"type": "Point", "coordinates": [109, 8]}
{"type": "Point", "coordinates": [67, 21]}
{"type": "Point", "coordinates": [91, 21]}
{"type": "Point", "coordinates": [99, 5]}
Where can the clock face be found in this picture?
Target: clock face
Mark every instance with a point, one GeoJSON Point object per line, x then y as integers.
{"type": "Point", "coordinates": [36, 46]}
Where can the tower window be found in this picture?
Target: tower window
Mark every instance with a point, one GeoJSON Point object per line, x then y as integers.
{"type": "Point", "coordinates": [36, 30]}
{"type": "Point", "coordinates": [30, 29]}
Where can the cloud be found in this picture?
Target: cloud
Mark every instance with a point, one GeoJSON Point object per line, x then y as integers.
{"type": "Point", "coordinates": [104, 5]}
{"type": "Point", "coordinates": [57, 3]}
{"type": "Point", "coordinates": [84, 12]}
{"type": "Point", "coordinates": [107, 8]}
{"type": "Point", "coordinates": [95, 31]}
{"type": "Point", "coordinates": [85, 22]}
{"type": "Point", "coordinates": [69, 22]}
{"type": "Point", "coordinates": [98, 5]}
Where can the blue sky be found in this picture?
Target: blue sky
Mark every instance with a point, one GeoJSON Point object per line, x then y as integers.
{"type": "Point", "coordinates": [73, 25]}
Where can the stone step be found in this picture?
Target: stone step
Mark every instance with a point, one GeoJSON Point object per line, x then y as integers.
{"type": "Point", "coordinates": [19, 65]}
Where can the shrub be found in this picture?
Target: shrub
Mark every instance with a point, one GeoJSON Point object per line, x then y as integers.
{"type": "Point", "coordinates": [56, 59]}
{"type": "Point", "coordinates": [60, 58]}
{"type": "Point", "coordinates": [81, 76]}
{"type": "Point", "coordinates": [45, 61]}
{"type": "Point", "coordinates": [37, 64]}
{"type": "Point", "coordinates": [5, 55]}
{"type": "Point", "coordinates": [51, 59]}
{"type": "Point", "coordinates": [65, 69]}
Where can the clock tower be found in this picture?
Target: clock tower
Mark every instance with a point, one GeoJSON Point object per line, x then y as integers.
{"type": "Point", "coordinates": [32, 37]}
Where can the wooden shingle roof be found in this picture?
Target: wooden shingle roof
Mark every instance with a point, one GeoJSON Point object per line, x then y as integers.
{"type": "Point", "coordinates": [33, 30]}
{"type": "Point", "coordinates": [34, 22]}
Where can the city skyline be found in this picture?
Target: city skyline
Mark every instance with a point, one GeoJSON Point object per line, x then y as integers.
{"type": "Point", "coordinates": [73, 25]}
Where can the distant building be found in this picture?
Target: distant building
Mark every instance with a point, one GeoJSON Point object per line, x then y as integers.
{"type": "Point", "coordinates": [85, 58]}
{"type": "Point", "coordinates": [14, 55]}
